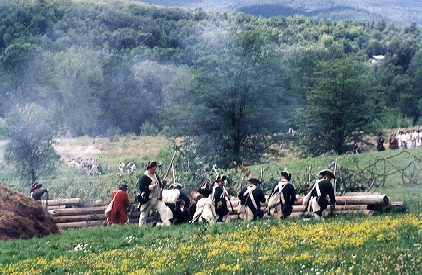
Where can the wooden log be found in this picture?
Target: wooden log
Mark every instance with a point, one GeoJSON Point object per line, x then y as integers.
{"type": "Point", "coordinates": [360, 193]}
{"type": "Point", "coordinates": [326, 213]}
{"type": "Point", "coordinates": [79, 224]}
{"type": "Point", "coordinates": [396, 203]}
{"type": "Point", "coordinates": [341, 212]}
{"type": "Point", "coordinates": [397, 206]}
{"type": "Point", "coordinates": [338, 207]}
{"type": "Point", "coordinates": [77, 211]}
{"type": "Point", "coordinates": [343, 200]}
{"type": "Point", "coordinates": [300, 208]}
{"type": "Point", "coordinates": [52, 207]}
{"type": "Point", "coordinates": [70, 202]}
{"type": "Point", "coordinates": [363, 199]}
{"type": "Point", "coordinates": [81, 218]}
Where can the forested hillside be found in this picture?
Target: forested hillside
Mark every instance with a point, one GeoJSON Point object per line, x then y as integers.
{"type": "Point", "coordinates": [399, 11]}
{"type": "Point", "coordinates": [227, 80]}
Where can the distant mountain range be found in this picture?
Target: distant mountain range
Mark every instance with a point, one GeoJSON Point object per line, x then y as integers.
{"type": "Point", "coordinates": [399, 11]}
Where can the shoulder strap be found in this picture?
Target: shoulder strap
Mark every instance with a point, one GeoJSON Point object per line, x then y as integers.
{"type": "Point", "coordinates": [249, 191]}
{"type": "Point", "coordinates": [213, 192]}
{"type": "Point", "coordinates": [156, 179]}
{"type": "Point", "coordinates": [115, 195]}
{"type": "Point", "coordinates": [225, 193]}
{"type": "Point", "coordinates": [280, 186]}
{"type": "Point", "coordinates": [149, 176]}
{"type": "Point", "coordinates": [317, 188]}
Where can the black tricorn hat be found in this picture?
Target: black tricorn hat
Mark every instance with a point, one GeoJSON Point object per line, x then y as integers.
{"type": "Point", "coordinates": [221, 178]}
{"type": "Point", "coordinates": [123, 186]}
{"type": "Point", "coordinates": [285, 173]}
{"type": "Point", "coordinates": [153, 164]}
{"type": "Point", "coordinates": [327, 172]}
{"type": "Point", "coordinates": [254, 181]}
{"type": "Point", "coordinates": [34, 186]}
{"type": "Point", "coordinates": [176, 185]}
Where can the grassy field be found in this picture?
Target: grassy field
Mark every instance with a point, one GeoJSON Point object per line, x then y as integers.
{"type": "Point", "coordinates": [70, 182]}
{"type": "Point", "coordinates": [383, 244]}
{"type": "Point", "coordinates": [380, 244]}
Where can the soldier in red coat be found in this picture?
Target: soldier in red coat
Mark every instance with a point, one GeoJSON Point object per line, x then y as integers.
{"type": "Point", "coordinates": [118, 213]}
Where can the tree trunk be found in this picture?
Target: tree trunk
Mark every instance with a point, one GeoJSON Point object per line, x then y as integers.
{"type": "Point", "coordinates": [339, 143]}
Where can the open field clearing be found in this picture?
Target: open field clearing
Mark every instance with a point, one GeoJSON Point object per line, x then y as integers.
{"type": "Point", "coordinates": [70, 182]}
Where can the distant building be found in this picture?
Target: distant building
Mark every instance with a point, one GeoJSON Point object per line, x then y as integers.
{"type": "Point", "coordinates": [376, 59]}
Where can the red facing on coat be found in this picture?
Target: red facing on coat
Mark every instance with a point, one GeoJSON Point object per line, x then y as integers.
{"type": "Point", "coordinates": [118, 213]}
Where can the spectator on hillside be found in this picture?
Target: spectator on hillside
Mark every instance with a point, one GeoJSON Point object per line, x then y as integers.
{"type": "Point", "coordinates": [402, 140]}
{"type": "Point", "coordinates": [380, 142]}
{"type": "Point", "coordinates": [394, 143]}
{"type": "Point", "coordinates": [419, 138]}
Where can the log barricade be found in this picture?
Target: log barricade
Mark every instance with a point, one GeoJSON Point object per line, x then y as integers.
{"type": "Point", "coordinates": [73, 213]}
{"type": "Point", "coordinates": [64, 203]}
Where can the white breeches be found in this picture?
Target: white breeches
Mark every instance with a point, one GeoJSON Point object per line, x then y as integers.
{"type": "Point", "coordinates": [153, 204]}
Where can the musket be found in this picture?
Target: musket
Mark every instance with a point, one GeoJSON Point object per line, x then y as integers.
{"type": "Point", "coordinates": [173, 173]}
{"type": "Point", "coordinates": [335, 183]}
{"type": "Point", "coordinates": [309, 181]}
{"type": "Point", "coordinates": [170, 165]}
{"type": "Point", "coordinates": [261, 174]}
{"type": "Point", "coordinates": [167, 172]}
{"type": "Point", "coordinates": [335, 179]}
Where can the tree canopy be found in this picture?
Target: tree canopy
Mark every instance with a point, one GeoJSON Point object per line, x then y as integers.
{"type": "Point", "coordinates": [340, 105]}
{"type": "Point", "coordinates": [31, 131]}
{"type": "Point", "coordinates": [228, 80]}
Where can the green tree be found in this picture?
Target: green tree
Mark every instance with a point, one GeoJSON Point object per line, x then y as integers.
{"type": "Point", "coordinates": [235, 100]}
{"type": "Point", "coordinates": [411, 99]}
{"type": "Point", "coordinates": [339, 105]}
{"type": "Point", "coordinates": [30, 132]}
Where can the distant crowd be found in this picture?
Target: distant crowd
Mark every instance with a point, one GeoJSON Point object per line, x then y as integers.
{"type": "Point", "coordinates": [401, 140]}
{"type": "Point", "coordinates": [90, 165]}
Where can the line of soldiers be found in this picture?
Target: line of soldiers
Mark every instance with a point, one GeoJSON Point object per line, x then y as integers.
{"type": "Point", "coordinates": [212, 202]}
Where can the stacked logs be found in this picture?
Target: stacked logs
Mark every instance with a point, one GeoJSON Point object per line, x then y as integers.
{"type": "Point", "coordinates": [73, 213]}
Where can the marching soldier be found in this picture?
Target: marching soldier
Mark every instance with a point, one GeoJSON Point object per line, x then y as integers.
{"type": "Point", "coordinates": [149, 198]}
{"type": "Point", "coordinates": [251, 198]}
{"type": "Point", "coordinates": [219, 196]}
{"type": "Point", "coordinates": [316, 201]}
{"type": "Point", "coordinates": [283, 196]}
